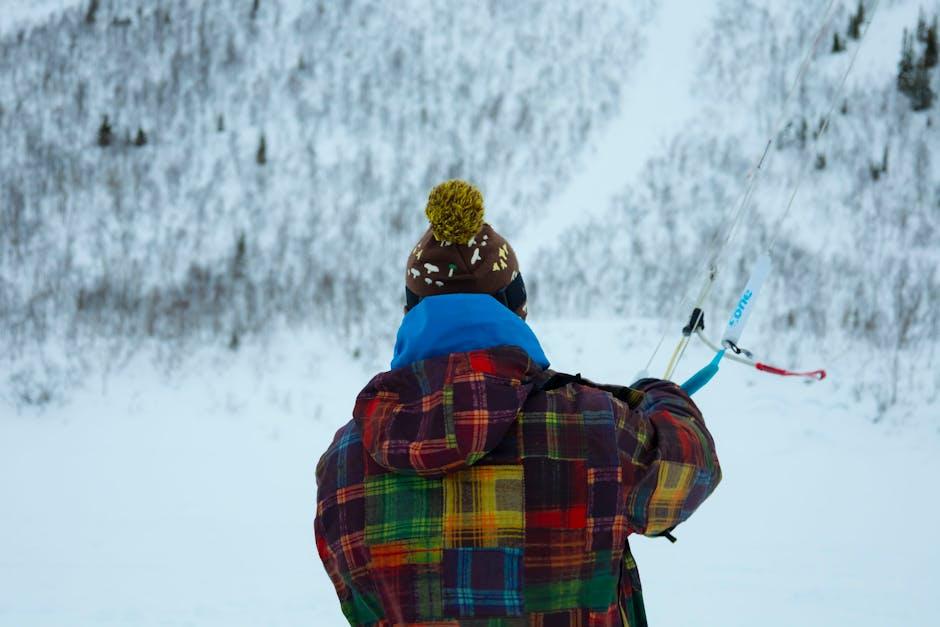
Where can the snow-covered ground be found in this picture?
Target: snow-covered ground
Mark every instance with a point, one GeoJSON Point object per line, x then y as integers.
{"type": "Point", "coordinates": [190, 503]}
{"type": "Point", "coordinates": [155, 502]}
{"type": "Point", "coordinates": [188, 499]}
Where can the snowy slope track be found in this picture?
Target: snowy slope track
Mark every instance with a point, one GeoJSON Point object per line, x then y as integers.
{"type": "Point", "coordinates": [656, 103]}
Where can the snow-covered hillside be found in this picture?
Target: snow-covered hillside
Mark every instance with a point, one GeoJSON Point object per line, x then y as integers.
{"type": "Point", "coordinates": [195, 172]}
{"type": "Point", "coordinates": [614, 189]}
{"type": "Point", "coordinates": [856, 257]}
{"type": "Point", "coordinates": [190, 501]}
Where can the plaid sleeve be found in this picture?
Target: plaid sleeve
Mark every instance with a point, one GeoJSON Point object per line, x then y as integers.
{"type": "Point", "coordinates": [668, 456]}
{"type": "Point", "coordinates": [338, 527]}
{"type": "Point", "coordinates": [329, 559]}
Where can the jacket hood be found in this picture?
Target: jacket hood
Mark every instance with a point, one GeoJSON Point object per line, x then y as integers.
{"type": "Point", "coordinates": [444, 413]}
{"type": "Point", "coordinates": [460, 323]}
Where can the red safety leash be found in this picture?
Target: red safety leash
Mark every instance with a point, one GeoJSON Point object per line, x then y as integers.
{"type": "Point", "coordinates": [818, 375]}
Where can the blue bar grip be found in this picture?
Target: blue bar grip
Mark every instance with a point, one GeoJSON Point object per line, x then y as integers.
{"type": "Point", "coordinates": [698, 380]}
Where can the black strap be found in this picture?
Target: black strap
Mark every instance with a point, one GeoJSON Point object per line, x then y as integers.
{"type": "Point", "coordinates": [512, 296]}
{"type": "Point", "coordinates": [696, 322]}
{"type": "Point", "coordinates": [668, 535]}
{"type": "Point", "coordinates": [554, 380]}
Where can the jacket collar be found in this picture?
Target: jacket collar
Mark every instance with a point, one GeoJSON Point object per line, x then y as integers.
{"type": "Point", "coordinates": [458, 323]}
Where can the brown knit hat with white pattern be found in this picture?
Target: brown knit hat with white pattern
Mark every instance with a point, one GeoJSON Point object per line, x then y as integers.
{"type": "Point", "coordinates": [460, 253]}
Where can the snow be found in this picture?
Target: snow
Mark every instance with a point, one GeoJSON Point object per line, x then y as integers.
{"type": "Point", "coordinates": [642, 248]}
{"type": "Point", "coordinates": [363, 106]}
{"type": "Point", "coordinates": [183, 501]}
{"type": "Point", "coordinates": [23, 13]}
{"type": "Point", "coordinates": [189, 499]}
{"type": "Point", "coordinates": [655, 105]}
{"type": "Point", "coordinates": [879, 54]}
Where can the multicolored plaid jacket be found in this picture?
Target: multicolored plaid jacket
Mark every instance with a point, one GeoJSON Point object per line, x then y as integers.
{"type": "Point", "coordinates": [462, 493]}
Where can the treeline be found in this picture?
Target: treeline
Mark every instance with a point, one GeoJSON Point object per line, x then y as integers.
{"type": "Point", "coordinates": [855, 277]}
{"type": "Point", "coordinates": [150, 148]}
{"type": "Point", "coordinates": [916, 68]}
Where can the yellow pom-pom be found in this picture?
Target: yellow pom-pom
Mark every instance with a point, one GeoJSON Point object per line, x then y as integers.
{"type": "Point", "coordinates": [455, 210]}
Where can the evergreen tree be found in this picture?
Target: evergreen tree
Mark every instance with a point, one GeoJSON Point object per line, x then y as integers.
{"type": "Point", "coordinates": [254, 8]}
{"type": "Point", "coordinates": [105, 133]}
{"type": "Point", "coordinates": [906, 65]}
{"type": "Point", "coordinates": [921, 27]}
{"type": "Point", "coordinates": [914, 74]}
{"type": "Point", "coordinates": [238, 259]}
{"type": "Point", "coordinates": [877, 169]}
{"type": "Point", "coordinates": [262, 156]}
{"type": "Point", "coordinates": [921, 92]}
{"type": "Point", "coordinates": [837, 44]}
{"type": "Point", "coordinates": [220, 124]}
{"type": "Point", "coordinates": [141, 139]}
{"type": "Point", "coordinates": [856, 21]}
{"type": "Point", "coordinates": [92, 12]}
{"type": "Point", "coordinates": [930, 46]}
{"type": "Point", "coordinates": [823, 123]}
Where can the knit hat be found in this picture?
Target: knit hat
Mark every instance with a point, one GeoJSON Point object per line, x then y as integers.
{"type": "Point", "coordinates": [460, 253]}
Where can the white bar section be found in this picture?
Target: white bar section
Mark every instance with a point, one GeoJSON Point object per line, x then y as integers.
{"type": "Point", "coordinates": [742, 311]}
